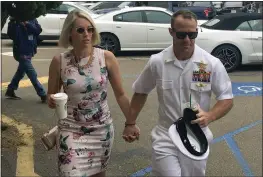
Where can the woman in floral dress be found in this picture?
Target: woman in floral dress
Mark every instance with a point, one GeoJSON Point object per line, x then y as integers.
{"type": "Point", "coordinates": [86, 135]}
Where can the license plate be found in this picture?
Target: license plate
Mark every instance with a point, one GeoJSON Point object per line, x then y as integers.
{"type": "Point", "coordinates": [233, 11]}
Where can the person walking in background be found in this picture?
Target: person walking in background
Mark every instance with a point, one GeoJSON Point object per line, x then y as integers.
{"type": "Point", "coordinates": [86, 135]}
{"type": "Point", "coordinates": [24, 36]}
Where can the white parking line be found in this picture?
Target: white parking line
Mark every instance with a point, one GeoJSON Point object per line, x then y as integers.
{"type": "Point", "coordinates": [8, 54]}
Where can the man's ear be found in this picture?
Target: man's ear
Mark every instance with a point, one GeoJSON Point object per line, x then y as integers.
{"type": "Point", "coordinates": [171, 31]}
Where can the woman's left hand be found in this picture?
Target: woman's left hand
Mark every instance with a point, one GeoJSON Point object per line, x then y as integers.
{"type": "Point", "coordinates": [131, 133]}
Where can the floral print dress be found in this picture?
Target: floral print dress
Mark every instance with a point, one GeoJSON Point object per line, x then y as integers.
{"type": "Point", "coordinates": [86, 135]}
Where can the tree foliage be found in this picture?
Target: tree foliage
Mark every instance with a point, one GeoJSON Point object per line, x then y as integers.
{"type": "Point", "coordinates": [25, 10]}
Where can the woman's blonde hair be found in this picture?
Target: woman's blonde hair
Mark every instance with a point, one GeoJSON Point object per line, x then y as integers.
{"type": "Point", "coordinates": [64, 39]}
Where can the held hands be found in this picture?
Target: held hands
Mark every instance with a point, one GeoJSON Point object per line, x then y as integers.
{"type": "Point", "coordinates": [131, 133]}
{"type": "Point", "coordinates": [203, 118]}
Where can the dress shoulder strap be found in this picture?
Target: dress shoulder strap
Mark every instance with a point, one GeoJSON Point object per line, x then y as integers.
{"type": "Point", "coordinates": [101, 57]}
{"type": "Point", "coordinates": [64, 59]}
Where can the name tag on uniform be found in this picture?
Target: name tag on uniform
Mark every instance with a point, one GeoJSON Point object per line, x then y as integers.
{"type": "Point", "coordinates": [30, 37]}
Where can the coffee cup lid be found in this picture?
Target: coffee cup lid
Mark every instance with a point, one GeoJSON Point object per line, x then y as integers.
{"type": "Point", "coordinates": [60, 96]}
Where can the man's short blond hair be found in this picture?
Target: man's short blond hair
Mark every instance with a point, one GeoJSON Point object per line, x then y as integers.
{"type": "Point", "coordinates": [64, 39]}
{"type": "Point", "coordinates": [187, 14]}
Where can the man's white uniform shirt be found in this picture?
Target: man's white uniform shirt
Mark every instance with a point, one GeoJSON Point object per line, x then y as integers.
{"type": "Point", "coordinates": [174, 84]}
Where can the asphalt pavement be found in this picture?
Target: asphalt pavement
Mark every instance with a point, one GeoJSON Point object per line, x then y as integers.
{"type": "Point", "coordinates": [237, 145]}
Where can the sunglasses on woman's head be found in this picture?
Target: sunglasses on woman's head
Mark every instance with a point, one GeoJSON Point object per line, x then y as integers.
{"type": "Point", "coordinates": [182, 35]}
{"type": "Point", "coordinates": [81, 30]}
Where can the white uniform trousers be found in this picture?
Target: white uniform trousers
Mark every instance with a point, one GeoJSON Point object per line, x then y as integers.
{"type": "Point", "coordinates": [167, 160]}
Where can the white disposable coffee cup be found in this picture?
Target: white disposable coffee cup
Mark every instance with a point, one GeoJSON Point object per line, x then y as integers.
{"type": "Point", "coordinates": [61, 100]}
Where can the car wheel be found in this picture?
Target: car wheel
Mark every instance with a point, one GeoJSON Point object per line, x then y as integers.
{"type": "Point", "coordinates": [110, 42]}
{"type": "Point", "coordinates": [229, 56]}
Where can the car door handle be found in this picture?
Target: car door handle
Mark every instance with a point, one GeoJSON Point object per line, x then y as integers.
{"type": "Point", "coordinates": [118, 27]}
{"type": "Point", "coordinates": [151, 29]}
{"type": "Point", "coordinates": [62, 18]}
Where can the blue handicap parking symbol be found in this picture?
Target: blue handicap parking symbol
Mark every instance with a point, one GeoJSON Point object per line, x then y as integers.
{"type": "Point", "coordinates": [247, 88]}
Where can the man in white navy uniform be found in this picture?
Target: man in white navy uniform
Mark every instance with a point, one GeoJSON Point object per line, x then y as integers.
{"type": "Point", "coordinates": [176, 72]}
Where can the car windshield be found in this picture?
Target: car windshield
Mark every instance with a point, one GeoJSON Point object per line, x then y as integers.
{"type": "Point", "coordinates": [84, 8]}
{"type": "Point", "coordinates": [209, 24]}
{"type": "Point", "coordinates": [202, 3]}
{"type": "Point", "coordinates": [106, 5]}
{"type": "Point", "coordinates": [122, 5]}
{"type": "Point", "coordinates": [94, 5]}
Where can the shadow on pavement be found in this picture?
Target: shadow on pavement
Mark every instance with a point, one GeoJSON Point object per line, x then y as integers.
{"type": "Point", "coordinates": [245, 68]}
{"type": "Point", "coordinates": [248, 70]}
{"type": "Point", "coordinates": [8, 162]}
{"type": "Point", "coordinates": [8, 43]}
{"type": "Point", "coordinates": [54, 43]}
{"type": "Point", "coordinates": [136, 53]}
{"type": "Point", "coordinates": [32, 112]}
{"type": "Point", "coordinates": [48, 44]}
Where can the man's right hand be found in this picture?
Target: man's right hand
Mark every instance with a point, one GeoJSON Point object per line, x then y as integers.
{"type": "Point", "coordinates": [51, 102]}
{"type": "Point", "coordinates": [131, 133]}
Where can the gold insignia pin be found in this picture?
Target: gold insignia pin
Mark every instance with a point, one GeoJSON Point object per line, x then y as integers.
{"type": "Point", "coordinates": [200, 84]}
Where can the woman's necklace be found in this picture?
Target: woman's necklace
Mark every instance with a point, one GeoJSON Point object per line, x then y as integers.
{"type": "Point", "coordinates": [90, 60]}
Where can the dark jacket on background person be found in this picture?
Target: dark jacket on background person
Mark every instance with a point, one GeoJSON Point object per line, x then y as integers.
{"type": "Point", "coordinates": [24, 37]}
